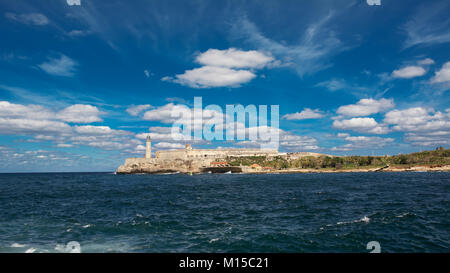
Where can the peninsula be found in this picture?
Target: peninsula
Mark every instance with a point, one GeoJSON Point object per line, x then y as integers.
{"type": "Point", "coordinates": [189, 160]}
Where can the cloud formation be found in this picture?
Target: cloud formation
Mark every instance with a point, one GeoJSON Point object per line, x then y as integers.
{"type": "Point", "coordinates": [409, 72]}
{"type": "Point", "coordinates": [443, 75]}
{"type": "Point", "coordinates": [80, 113]}
{"type": "Point", "coordinates": [234, 58]}
{"type": "Point", "coordinates": [73, 2]}
{"type": "Point", "coordinates": [362, 142]}
{"type": "Point", "coordinates": [317, 44]}
{"type": "Point", "coordinates": [426, 61]}
{"type": "Point", "coordinates": [36, 19]}
{"type": "Point", "coordinates": [223, 68]}
{"type": "Point", "coordinates": [44, 124]}
{"type": "Point", "coordinates": [366, 107]}
{"type": "Point", "coordinates": [211, 76]}
{"type": "Point", "coordinates": [62, 66]}
{"type": "Point", "coordinates": [135, 110]}
{"type": "Point", "coordinates": [423, 126]}
{"type": "Point", "coordinates": [429, 25]}
{"type": "Point", "coordinates": [307, 113]}
{"type": "Point", "coordinates": [362, 125]}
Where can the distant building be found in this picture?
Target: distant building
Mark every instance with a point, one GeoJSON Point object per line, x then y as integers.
{"type": "Point", "coordinates": [189, 153]}
{"type": "Point", "coordinates": [187, 159]}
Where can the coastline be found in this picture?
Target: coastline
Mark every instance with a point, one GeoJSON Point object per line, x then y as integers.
{"type": "Point", "coordinates": [194, 161]}
{"type": "Point", "coordinates": [418, 168]}
{"type": "Point", "coordinates": [445, 168]}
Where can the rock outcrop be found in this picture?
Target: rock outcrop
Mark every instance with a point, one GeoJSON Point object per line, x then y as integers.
{"type": "Point", "coordinates": [156, 165]}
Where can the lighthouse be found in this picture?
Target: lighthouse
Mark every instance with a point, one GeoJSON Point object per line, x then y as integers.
{"type": "Point", "coordinates": [148, 147]}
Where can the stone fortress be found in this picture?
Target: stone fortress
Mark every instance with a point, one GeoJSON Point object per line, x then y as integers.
{"type": "Point", "coordinates": [187, 160]}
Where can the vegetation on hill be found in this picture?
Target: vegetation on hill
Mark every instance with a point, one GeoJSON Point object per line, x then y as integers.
{"type": "Point", "coordinates": [438, 157]}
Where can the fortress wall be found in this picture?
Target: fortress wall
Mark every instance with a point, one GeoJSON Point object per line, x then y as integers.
{"type": "Point", "coordinates": [213, 153]}
{"type": "Point", "coordinates": [171, 154]}
{"type": "Point", "coordinates": [198, 154]}
{"type": "Point", "coordinates": [304, 154]}
{"type": "Point", "coordinates": [138, 160]}
{"type": "Point", "coordinates": [186, 160]}
{"type": "Point", "coordinates": [251, 152]}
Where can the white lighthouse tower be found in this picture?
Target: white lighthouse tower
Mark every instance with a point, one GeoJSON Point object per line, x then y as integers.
{"type": "Point", "coordinates": [148, 147]}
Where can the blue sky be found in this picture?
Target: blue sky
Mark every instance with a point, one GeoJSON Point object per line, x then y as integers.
{"type": "Point", "coordinates": [82, 85]}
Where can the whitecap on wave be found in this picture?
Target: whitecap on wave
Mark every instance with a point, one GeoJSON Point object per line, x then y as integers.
{"type": "Point", "coordinates": [17, 245]}
{"type": "Point", "coordinates": [404, 214]}
{"type": "Point", "coordinates": [213, 240]}
{"type": "Point", "coordinates": [365, 219]}
{"type": "Point", "coordinates": [30, 250]}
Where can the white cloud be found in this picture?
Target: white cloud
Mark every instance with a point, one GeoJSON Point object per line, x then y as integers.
{"type": "Point", "coordinates": [164, 113]}
{"type": "Point", "coordinates": [196, 118]}
{"type": "Point", "coordinates": [64, 145]}
{"type": "Point", "coordinates": [264, 134]}
{"type": "Point", "coordinates": [98, 130]}
{"type": "Point", "coordinates": [160, 129]}
{"type": "Point", "coordinates": [28, 119]}
{"type": "Point", "coordinates": [223, 68]}
{"type": "Point", "coordinates": [11, 110]}
{"type": "Point", "coordinates": [80, 113]}
{"type": "Point", "coordinates": [287, 140]}
{"type": "Point", "coordinates": [433, 138]}
{"type": "Point", "coordinates": [363, 125]}
{"type": "Point", "coordinates": [293, 142]}
{"type": "Point", "coordinates": [234, 58]}
{"type": "Point", "coordinates": [43, 124]}
{"type": "Point", "coordinates": [418, 119]}
{"type": "Point", "coordinates": [62, 66]}
{"type": "Point", "coordinates": [333, 84]}
{"type": "Point", "coordinates": [36, 19]}
{"type": "Point", "coordinates": [409, 72]}
{"type": "Point", "coordinates": [78, 33]}
{"type": "Point", "coordinates": [22, 126]}
{"type": "Point", "coordinates": [307, 113]}
{"type": "Point", "coordinates": [423, 127]}
{"type": "Point", "coordinates": [210, 76]}
{"type": "Point", "coordinates": [135, 110]}
{"type": "Point", "coordinates": [443, 75]}
{"type": "Point", "coordinates": [77, 113]}
{"type": "Point", "coordinates": [362, 142]}
{"type": "Point", "coordinates": [366, 107]}
{"type": "Point", "coordinates": [411, 116]}
{"type": "Point", "coordinates": [427, 61]}
{"type": "Point", "coordinates": [167, 145]}
{"type": "Point", "coordinates": [74, 2]}
{"type": "Point", "coordinates": [103, 137]}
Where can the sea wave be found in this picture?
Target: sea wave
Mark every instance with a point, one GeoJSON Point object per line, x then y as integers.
{"type": "Point", "coordinates": [30, 250]}
{"type": "Point", "coordinates": [17, 245]}
{"type": "Point", "coordinates": [405, 214]}
{"type": "Point", "coordinates": [365, 219]}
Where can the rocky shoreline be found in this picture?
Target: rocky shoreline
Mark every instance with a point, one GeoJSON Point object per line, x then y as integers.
{"type": "Point", "coordinates": [247, 170]}
{"type": "Point", "coordinates": [445, 168]}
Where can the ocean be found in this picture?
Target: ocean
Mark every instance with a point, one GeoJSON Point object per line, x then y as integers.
{"type": "Point", "coordinates": [341, 212]}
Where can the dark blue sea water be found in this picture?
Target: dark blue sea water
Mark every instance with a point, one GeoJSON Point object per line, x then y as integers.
{"type": "Point", "coordinates": [404, 212]}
